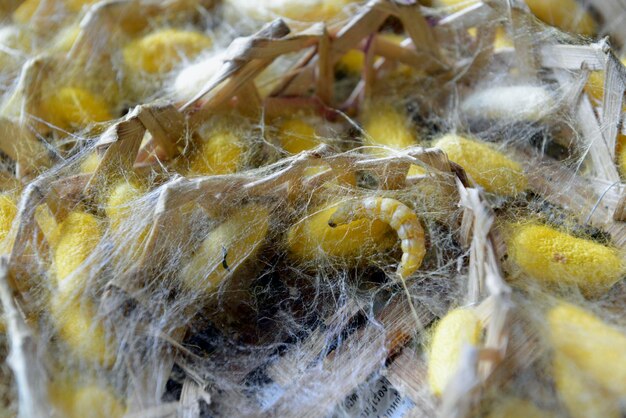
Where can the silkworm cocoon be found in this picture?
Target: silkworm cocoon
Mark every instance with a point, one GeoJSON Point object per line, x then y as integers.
{"type": "Point", "coordinates": [78, 326]}
{"type": "Point", "coordinates": [387, 126]}
{"type": "Point", "coordinates": [161, 51]}
{"type": "Point", "coordinates": [582, 397]}
{"type": "Point", "coordinates": [621, 154]}
{"type": "Point", "coordinates": [458, 328]}
{"type": "Point", "coordinates": [221, 152]}
{"type": "Point", "coordinates": [89, 401]}
{"type": "Point", "coordinates": [509, 103]}
{"type": "Point", "coordinates": [567, 15]}
{"type": "Point", "coordinates": [118, 208]}
{"type": "Point", "coordinates": [518, 408]}
{"type": "Point", "coordinates": [194, 76]}
{"type": "Point", "coordinates": [554, 258]}
{"type": "Point", "coordinates": [491, 169]}
{"type": "Point", "coordinates": [295, 135]}
{"type": "Point", "coordinates": [225, 249]}
{"type": "Point", "coordinates": [78, 236]}
{"type": "Point", "coordinates": [352, 62]}
{"type": "Point", "coordinates": [89, 164]}
{"type": "Point", "coordinates": [595, 84]}
{"type": "Point", "coordinates": [596, 349]}
{"type": "Point", "coordinates": [8, 211]}
{"type": "Point", "coordinates": [395, 214]}
{"type": "Point", "coordinates": [304, 10]}
{"type": "Point", "coordinates": [312, 238]}
{"type": "Point", "coordinates": [73, 108]}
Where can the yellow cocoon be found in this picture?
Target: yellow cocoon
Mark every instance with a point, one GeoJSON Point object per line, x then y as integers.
{"type": "Point", "coordinates": [8, 211]}
{"type": "Point", "coordinates": [490, 168]}
{"type": "Point", "coordinates": [90, 401]}
{"type": "Point", "coordinates": [225, 249]}
{"type": "Point", "coordinates": [161, 51]}
{"type": "Point", "coordinates": [596, 349]}
{"type": "Point", "coordinates": [90, 163]}
{"type": "Point", "coordinates": [554, 257]}
{"type": "Point", "coordinates": [567, 15]}
{"type": "Point", "coordinates": [458, 328]}
{"type": "Point", "coordinates": [73, 108]}
{"type": "Point", "coordinates": [352, 62]}
{"type": "Point", "coordinates": [296, 135]}
{"type": "Point", "coordinates": [582, 397]}
{"type": "Point", "coordinates": [595, 84]}
{"type": "Point", "coordinates": [518, 408]}
{"type": "Point", "coordinates": [78, 236]}
{"type": "Point", "coordinates": [311, 238]}
{"type": "Point", "coordinates": [78, 326]}
{"type": "Point", "coordinates": [118, 207]}
{"type": "Point", "coordinates": [220, 153]}
{"type": "Point", "coordinates": [303, 10]}
{"type": "Point", "coordinates": [621, 154]}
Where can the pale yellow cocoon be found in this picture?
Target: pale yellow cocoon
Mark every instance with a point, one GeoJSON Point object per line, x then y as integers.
{"type": "Point", "coordinates": [582, 397]}
{"type": "Point", "coordinates": [118, 206]}
{"type": "Point", "coordinates": [295, 135]}
{"type": "Point", "coordinates": [312, 239]}
{"type": "Point", "coordinates": [597, 349]}
{"type": "Point", "coordinates": [73, 108]}
{"type": "Point", "coordinates": [221, 152]}
{"type": "Point", "coordinates": [89, 164]}
{"type": "Point", "coordinates": [225, 249]}
{"type": "Point", "coordinates": [303, 10]}
{"type": "Point", "coordinates": [567, 15]}
{"type": "Point", "coordinates": [518, 408]}
{"type": "Point", "coordinates": [458, 328]}
{"type": "Point", "coordinates": [595, 85]}
{"type": "Point", "coordinates": [89, 401]}
{"type": "Point", "coordinates": [161, 51]}
{"type": "Point", "coordinates": [77, 325]}
{"type": "Point", "coordinates": [556, 258]}
{"type": "Point", "coordinates": [78, 236]}
{"type": "Point", "coordinates": [488, 167]}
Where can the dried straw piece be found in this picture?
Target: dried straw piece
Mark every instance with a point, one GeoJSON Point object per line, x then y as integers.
{"type": "Point", "coordinates": [29, 372]}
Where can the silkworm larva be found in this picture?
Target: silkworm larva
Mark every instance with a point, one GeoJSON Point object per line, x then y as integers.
{"type": "Point", "coordinates": [159, 52]}
{"type": "Point", "coordinates": [595, 348]}
{"type": "Point", "coordinates": [397, 215]}
{"type": "Point", "coordinates": [458, 328]}
{"type": "Point", "coordinates": [556, 258]}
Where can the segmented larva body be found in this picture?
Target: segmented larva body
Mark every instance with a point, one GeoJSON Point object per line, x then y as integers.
{"type": "Point", "coordinates": [397, 215]}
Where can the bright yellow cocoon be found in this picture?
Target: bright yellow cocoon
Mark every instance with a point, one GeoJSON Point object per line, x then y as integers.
{"type": "Point", "coordinates": [567, 15]}
{"type": "Point", "coordinates": [79, 328]}
{"type": "Point", "coordinates": [296, 135]}
{"type": "Point", "coordinates": [582, 397]}
{"type": "Point", "coordinates": [352, 62]}
{"type": "Point", "coordinates": [8, 211]}
{"type": "Point", "coordinates": [311, 238]}
{"type": "Point", "coordinates": [78, 236]}
{"type": "Point", "coordinates": [89, 401]}
{"type": "Point", "coordinates": [458, 328]}
{"type": "Point", "coordinates": [490, 168]}
{"type": "Point", "coordinates": [220, 153]}
{"type": "Point", "coordinates": [226, 248]}
{"type": "Point", "coordinates": [518, 408]}
{"type": "Point", "coordinates": [554, 257]}
{"type": "Point", "coordinates": [594, 347]}
{"type": "Point", "coordinates": [73, 107]}
{"type": "Point", "coordinates": [161, 51]}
